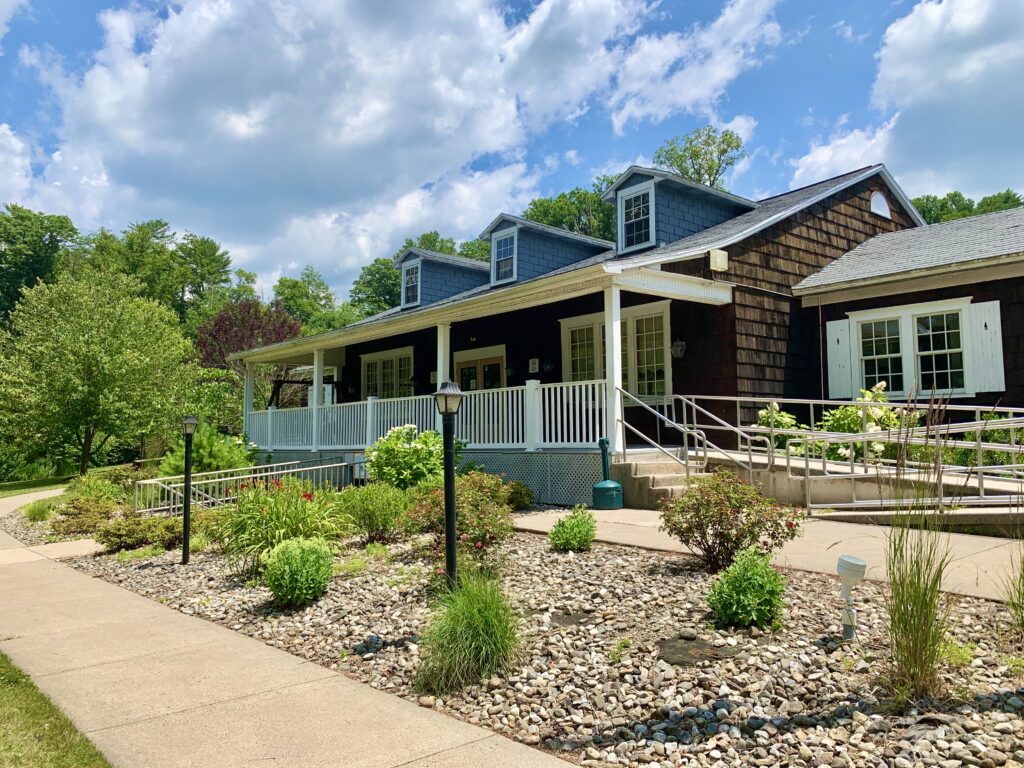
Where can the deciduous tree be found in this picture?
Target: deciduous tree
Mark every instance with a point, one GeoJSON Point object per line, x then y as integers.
{"type": "Point", "coordinates": [579, 210]}
{"type": "Point", "coordinates": [31, 245]}
{"type": "Point", "coordinates": [703, 155]}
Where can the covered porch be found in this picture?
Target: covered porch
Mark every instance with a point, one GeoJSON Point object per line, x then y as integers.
{"type": "Point", "coordinates": [540, 369]}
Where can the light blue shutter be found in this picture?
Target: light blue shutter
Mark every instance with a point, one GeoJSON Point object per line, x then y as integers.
{"type": "Point", "coordinates": [983, 347]}
{"type": "Point", "coordinates": [840, 363]}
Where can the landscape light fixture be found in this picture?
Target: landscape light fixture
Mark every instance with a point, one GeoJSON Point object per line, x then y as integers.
{"type": "Point", "coordinates": [851, 570]}
{"type": "Point", "coordinates": [449, 398]}
{"type": "Point", "coordinates": [188, 428]}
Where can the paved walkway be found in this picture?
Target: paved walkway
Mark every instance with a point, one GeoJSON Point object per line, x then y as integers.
{"type": "Point", "coordinates": [153, 687]}
{"type": "Point", "coordinates": [980, 562]}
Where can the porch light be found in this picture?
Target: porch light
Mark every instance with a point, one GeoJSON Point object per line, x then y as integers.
{"type": "Point", "coordinates": [448, 398]}
{"type": "Point", "coordinates": [189, 424]}
{"type": "Point", "coordinates": [678, 349]}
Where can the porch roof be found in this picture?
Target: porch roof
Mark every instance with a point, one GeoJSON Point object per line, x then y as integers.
{"type": "Point", "coordinates": [581, 278]}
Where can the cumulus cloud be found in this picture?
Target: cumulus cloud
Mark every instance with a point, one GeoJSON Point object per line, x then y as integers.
{"type": "Point", "coordinates": [950, 91]}
{"type": "Point", "coordinates": [690, 71]}
{"type": "Point", "coordinates": [326, 131]}
{"type": "Point", "coordinates": [15, 165]}
{"type": "Point", "coordinates": [7, 10]}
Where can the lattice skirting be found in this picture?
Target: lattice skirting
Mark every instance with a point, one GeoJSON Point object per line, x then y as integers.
{"type": "Point", "coordinates": [561, 477]}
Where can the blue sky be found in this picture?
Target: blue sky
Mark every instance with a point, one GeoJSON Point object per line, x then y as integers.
{"type": "Point", "coordinates": [311, 131]}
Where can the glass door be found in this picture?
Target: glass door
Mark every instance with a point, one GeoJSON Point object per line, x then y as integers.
{"type": "Point", "coordinates": [488, 373]}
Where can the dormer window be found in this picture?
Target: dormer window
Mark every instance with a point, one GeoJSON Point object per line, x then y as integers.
{"type": "Point", "coordinates": [636, 217]}
{"type": "Point", "coordinates": [410, 284]}
{"type": "Point", "coordinates": [503, 257]}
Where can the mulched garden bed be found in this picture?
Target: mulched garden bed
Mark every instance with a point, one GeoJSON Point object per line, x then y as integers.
{"type": "Point", "coordinates": [622, 666]}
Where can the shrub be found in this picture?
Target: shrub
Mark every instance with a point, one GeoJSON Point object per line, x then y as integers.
{"type": "Point", "coordinates": [748, 593]}
{"type": "Point", "coordinates": [95, 486]}
{"type": "Point", "coordinates": [134, 531]}
{"type": "Point", "coordinates": [474, 634]}
{"type": "Point", "coordinates": [519, 495]}
{"type": "Point", "coordinates": [720, 515]}
{"type": "Point", "coordinates": [40, 510]}
{"type": "Point", "coordinates": [916, 559]}
{"type": "Point", "coordinates": [83, 515]}
{"type": "Point", "coordinates": [376, 510]}
{"type": "Point", "coordinates": [404, 459]}
{"type": "Point", "coordinates": [298, 571]}
{"type": "Point", "coordinates": [265, 514]}
{"type": "Point", "coordinates": [211, 451]}
{"type": "Point", "coordinates": [775, 418]}
{"type": "Point", "coordinates": [865, 418]}
{"type": "Point", "coordinates": [483, 517]}
{"type": "Point", "coordinates": [124, 478]}
{"type": "Point", "coordinates": [575, 532]}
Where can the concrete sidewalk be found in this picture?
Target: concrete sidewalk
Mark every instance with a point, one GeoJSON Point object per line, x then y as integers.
{"type": "Point", "coordinates": [150, 686]}
{"type": "Point", "coordinates": [980, 563]}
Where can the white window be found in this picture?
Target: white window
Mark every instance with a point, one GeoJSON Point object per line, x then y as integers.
{"type": "Point", "coordinates": [388, 374]}
{"type": "Point", "coordinates": [646, 358]}
{"type": "Point", "coordinates": [879, 205]}
{"type": "Point", "coordinates": [636, 217]}
{"type": "Point", "coordinates": [410, 283]}
{"type": "Point", "coordinates": [504, 249]}
{"type": "Point", "coordinates": [937, 348]}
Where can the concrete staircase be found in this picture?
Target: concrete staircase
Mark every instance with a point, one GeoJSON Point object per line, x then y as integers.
{"type": "Point", "coordinates": [649, 476]}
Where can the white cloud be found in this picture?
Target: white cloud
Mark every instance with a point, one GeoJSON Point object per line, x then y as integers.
{"type": "Point", "coordinates": [15, 165]}
{"type": "Point", "coordinates": [689, 71]}
{"type": "Point", "coordinates": [326, 131]}
{"type": "Point", "coordinates": [950, 88]}
{"type": "Point", "coordinates": [7, 10]}
{"type": "Point", "coordinates": [846, 31]}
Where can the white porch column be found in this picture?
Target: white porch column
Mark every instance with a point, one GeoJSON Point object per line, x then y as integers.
{"type": "Point", "coordinates": [444, 356]}
{"type": "Point", "coordinates": [248, 396]}
{"type": "Point", "coordinates": [318, 396]}
{"type": "Point", "coordinates": [533, 415]}
{"type": "Point", "coordinates": [371, 420]}
{"type": "Point", "coordinates": [613, 368]}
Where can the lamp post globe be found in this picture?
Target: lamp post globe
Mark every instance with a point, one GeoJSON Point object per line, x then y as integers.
{"type": "Point", "coordinates": [449, 399]}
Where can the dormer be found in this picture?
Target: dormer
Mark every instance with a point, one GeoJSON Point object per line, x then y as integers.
{"type": "Point", "coordinates": [429, 276]}
{"type": "Point", "coordinates": [654, 207]}
{"type": "Point", "coordinates": [522, 249]}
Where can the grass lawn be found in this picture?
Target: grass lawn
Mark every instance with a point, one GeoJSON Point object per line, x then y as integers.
{"type": "Point", "coordinates": [27, 486]}
{"type": "Point", "coordinates": [33, 732]}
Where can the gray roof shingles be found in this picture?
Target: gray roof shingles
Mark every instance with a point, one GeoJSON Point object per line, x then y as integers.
{"type": "Point", "coordinates": [950, 243]}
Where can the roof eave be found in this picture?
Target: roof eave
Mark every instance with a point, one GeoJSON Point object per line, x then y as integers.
{"type": "Point", "coordinates": [609, 194]}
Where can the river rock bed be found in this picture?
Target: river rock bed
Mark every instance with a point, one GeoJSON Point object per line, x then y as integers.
{"type": "Point", "coordinates": [592, 685]}
{"type": "Point", "coordinates": [14, 522]}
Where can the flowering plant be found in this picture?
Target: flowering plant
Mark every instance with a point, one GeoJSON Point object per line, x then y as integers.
{"type": "Point", "coordinates": [405, 459]}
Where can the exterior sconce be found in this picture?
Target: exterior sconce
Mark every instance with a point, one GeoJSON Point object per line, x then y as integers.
{"type": "Point", "coordinates": [678, 349]}
{"type": "Point", "coordinates": [547, 366]}
{"type": "Point", "coordinates": [510, 372]}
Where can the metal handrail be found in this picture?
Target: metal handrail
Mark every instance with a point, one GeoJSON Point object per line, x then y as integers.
{"type": "Point", "coordinates": [740, 434]}
{"type": "Point", "coordinates": [701, 438]}
{"type": "Point", "coordinates": [685, 461]}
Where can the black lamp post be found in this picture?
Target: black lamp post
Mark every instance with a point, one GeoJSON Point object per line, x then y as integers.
{"type": "Point", "coordinates": [448, 398]}
{"type": "Point", "coordinates": [188, 427]}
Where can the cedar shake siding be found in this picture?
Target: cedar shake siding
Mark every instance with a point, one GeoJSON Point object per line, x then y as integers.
{"type": "Point", "coordinates": [1010, 295]}
{"type": "Point", "coordinates": [764, 268]}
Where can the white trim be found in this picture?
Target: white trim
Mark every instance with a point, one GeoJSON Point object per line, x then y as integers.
{"type": "Point", "coordinates": [620, 200]}
{"type": "Point", "coordinates": [376, 357]}
{"type": "Point", "coordinates": [629, 315]}
{"type": "Point", "coordinates": [480, 353]}
{"type": "Point", "coordinates": [406, 266]}
{"type": "Point", "coordinates": [906, 315]}
{"type": "Point", "coordinates": [503, 234]}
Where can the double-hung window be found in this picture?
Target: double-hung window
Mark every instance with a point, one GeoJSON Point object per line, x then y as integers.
{"type": "Point", "coordinates": [636, 217]}
{"type": "Point", "coordinates": [503, 256]}
{"type": "Point", "coordinates": [410, 284]}
{"type": "Point", "coordinates": [388, 374]}
{"type": "Point", "coordinates": [646, 359]}
{"type": "Point", "coordinates": [948, 347]}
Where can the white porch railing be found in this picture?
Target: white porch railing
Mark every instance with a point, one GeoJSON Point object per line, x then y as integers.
{"type": "Point", "coordinates": [531, 417]}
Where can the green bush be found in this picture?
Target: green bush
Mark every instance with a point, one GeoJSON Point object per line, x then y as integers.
{"type": "Point", "coordinates": [376, 510]}
{"type": "Point", "coordinates": [483, 516]}
{"type": "Point", "coordinates": [298, 571]}
{"type": "Point", "coordinates": [519, 495]}
{"type": "Point", "coordinates": [134, 531]}
{"type": "Point", "coordinates": [720, 515]}
{"type": "Point", "coordinates": [775, 418]}
{"type": "Point", "coordinates": [83, 515]}
{"type": "Point", "coordinates": [40, 510]}
{"type": "Point", "coordinates": [473, 635]}
{"type": "Point", "coordinates": [211, 451]}
{"type": "Point", "coordinates": [265, 514]}
{"type": "Point", "coordinates": [575, 532]}
{"type": "Point", "coordinates": [124, 478]}
{"type": "Point", "coordinates": [404, 459]}
{"type": "Point", "coordinates": [748, 593]}
{"type": "Point", "coordinates": [96, 486]}
{"type": "Point", "coordinates": [15, 466]}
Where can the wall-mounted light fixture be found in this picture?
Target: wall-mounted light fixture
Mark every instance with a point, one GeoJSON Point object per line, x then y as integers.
{"type": "Point", "coordinates": [678, 349]}
{"type": "Point", "coordinates": [547, 366]}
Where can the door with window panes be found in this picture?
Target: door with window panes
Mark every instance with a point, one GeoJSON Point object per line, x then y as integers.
{"type": "Point", "coordinates": [486, 373]}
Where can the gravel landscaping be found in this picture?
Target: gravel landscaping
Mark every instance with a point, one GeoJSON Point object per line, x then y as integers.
{"type": "Point", "coordinates": [620, 664]}
{"type": "Point", "coordinates": [14, 522]}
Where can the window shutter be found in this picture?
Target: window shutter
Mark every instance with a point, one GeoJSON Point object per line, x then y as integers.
{"type": "Point", "coordinates": [840, 368]}
{"type": "Point", "coordinates": [984, 347]}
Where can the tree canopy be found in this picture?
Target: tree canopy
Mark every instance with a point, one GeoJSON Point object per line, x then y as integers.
{"type": "Point", "coordinates": [956, 205]}
{"type": "Point", "coordinates": [703, 155]}
{"type": "Point", "coordinates": [309, 299]}
{"type": "Point", "coordinates": [87, 361]}
{"type": "Point", "coordinates": [31, 246]}
{"type": "Point", "coordinates": [579, 210]}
